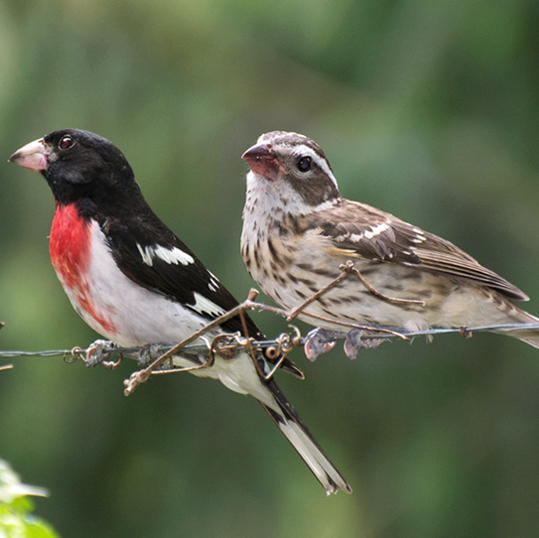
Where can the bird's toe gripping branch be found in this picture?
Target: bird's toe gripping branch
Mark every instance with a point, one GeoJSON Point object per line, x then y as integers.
{"type": "Point", "coordinates": [154, 357]}
{"type": "Point", "coordinates": [224, 345]}
{"type": "Point", "coordinates": [319, 341]}
{"type": "Point", "coordinates": [149, 353]}
{"type": "Point", "coordinates": [358, 339]}
{"type": "Point", "coordinates": [99, 352]}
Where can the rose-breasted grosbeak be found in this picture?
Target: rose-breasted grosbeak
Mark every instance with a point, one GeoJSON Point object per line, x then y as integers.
{"type": "Point", "coordinates": [133, 281]}
{"type": "Point", "coordinates": [298, 230]}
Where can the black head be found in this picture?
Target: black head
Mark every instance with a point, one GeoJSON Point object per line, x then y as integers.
{"type": "Point", "coordinates": [79, 165]}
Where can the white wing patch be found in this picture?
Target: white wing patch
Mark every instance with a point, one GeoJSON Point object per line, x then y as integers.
{"type": "Point", "coordinates": [170, 256]}
{"type": "Point", "coordinates": [376, 230]}
{"type": "Point", "coordinates": [420, 237]}
{"type": "Point", "coordinates": [370, 232]}
{"type": "Point", "coordinates": [205, 306]}
{"type": "Point", "coordinates": [174, 256]}
{"type": "Point", "coordinates": [146, 254]}
{"type": "Point", "coordinates": [213, 284]}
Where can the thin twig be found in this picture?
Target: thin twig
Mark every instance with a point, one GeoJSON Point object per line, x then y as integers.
{"type": "Point", "coordinates": [142, 375]}
{"type": "Point", "coordinates": [370, 328]}
{"type": "Point", "coordinates": [294, 312]}
{"type": "Point", "coordinates": [251, 305]}
{"type": "Point", "coordinates": [285, 344]}
{"type": "Point", "coordinates": [349, 268]}
{"type": "Point", "coordinates": [248, 343]}
{"type": "Point", "coordinates": [284, 313]}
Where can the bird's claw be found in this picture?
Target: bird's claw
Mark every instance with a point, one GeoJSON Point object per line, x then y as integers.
{"type": "Point", "coordinates": [149, 353]}
{"type": "Point", "coordinates": [99, 352]}
{"type": "Point", "coordinates": [319, 341]}
{"type": "Point", "coordinates": [355, 341]}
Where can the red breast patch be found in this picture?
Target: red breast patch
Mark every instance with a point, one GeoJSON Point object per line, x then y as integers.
{"type": "Point", "coordinates": [70, 250]}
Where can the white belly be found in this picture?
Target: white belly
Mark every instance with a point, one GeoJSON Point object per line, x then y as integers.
{"type": "Point", "coordinates": [121, 310]}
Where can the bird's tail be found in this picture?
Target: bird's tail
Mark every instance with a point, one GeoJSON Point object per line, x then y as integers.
{"type": "Point", "coordinates": [530, 337]}
{"type": "Point", "coordinates": [288, 421]}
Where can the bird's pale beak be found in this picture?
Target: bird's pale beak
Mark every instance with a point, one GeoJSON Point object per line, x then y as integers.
{"type": "Point", "coordinates": [262, 161]}
{"type": "Point", "coordinates": [34, 156]}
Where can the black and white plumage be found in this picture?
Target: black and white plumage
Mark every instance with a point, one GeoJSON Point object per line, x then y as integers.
{"type": "Point", "coordinates": [134, 282]}
{"type": "Point", "coordinates": [298, 230]}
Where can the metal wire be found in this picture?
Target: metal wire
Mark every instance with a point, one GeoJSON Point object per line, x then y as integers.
{"type": "Point", "coordinates": [264, 344]}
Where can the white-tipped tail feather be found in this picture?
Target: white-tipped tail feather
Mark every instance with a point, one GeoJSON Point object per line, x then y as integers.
{"type": "Point", "coordinates": [240, 375]}
{"type": "Point", "coordinates": [289, 422]}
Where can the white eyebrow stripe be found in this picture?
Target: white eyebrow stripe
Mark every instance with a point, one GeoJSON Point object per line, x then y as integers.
{"type": "Point", "coordinates": [170, 256]}
{"type": "Point", "coordinates": [320, 161]}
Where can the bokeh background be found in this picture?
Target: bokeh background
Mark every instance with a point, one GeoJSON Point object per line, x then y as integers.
{"type": "Point", "coordinates": [428, 109]}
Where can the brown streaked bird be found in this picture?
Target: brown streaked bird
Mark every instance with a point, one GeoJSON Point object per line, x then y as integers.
{"type": "Point", "coordinates": [298, 230]}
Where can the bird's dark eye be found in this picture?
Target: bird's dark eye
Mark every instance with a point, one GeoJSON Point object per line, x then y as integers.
{"type": "Point", "coordinates": [66, 142]}
{"type": "Point", "coordinates": [304, 164]}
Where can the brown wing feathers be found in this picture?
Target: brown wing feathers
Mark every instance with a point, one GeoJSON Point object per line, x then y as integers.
{"type": "Point", "coordinates": [368, 233]}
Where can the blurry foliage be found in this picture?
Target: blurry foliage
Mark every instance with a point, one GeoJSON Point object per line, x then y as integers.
{"type": "Point", "coordinates": [16, 519]}
{"type": "Point", "coordinates": [427, 109]}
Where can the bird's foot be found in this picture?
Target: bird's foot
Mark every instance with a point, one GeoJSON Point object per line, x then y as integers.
{"type": "Point", "coordinates": [100, 352]}
{"type": "Point", "coordinates": [356, 340]}
{"type": "Point", "coordinates": [149, 353]}
{"type": "Point", "coordinates": [319, 341]}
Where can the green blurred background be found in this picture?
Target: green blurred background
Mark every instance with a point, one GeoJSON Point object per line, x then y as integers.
{"type": "Point", "coordinates": [428, 109]}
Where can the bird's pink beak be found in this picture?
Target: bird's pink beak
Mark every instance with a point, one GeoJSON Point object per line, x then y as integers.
{"type": "Point", "coordinates": [34, 156]}
{"type": "Point", "coordinates": [262, 161]}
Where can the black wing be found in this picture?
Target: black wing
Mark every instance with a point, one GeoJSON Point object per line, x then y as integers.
{"type": "Point", "coordinates": [361, 231]}
{"type": "Point", "coordinates": [147, 252]}
{"type": "Point", "coordinates": [140, 248]}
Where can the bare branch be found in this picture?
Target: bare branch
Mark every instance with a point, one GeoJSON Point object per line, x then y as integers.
{"type": "Point", "coordinates": [348, 267]}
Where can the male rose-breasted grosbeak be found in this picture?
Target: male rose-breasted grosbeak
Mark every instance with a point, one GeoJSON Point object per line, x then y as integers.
{"type": "Point", "coordinates": [133, 281]}
{"type": "Point", "coordinates": [298, 230]}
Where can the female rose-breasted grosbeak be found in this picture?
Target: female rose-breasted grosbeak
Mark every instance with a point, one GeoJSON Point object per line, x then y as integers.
{"type": "Point", "coordinates": [298, 230]}
{"type": "Point", "coordinates": [133, 281]}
